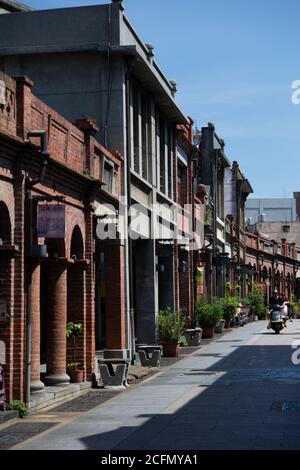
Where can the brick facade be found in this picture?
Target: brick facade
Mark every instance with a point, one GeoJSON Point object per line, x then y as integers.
{"type": "Point", "coordinates": [63, 284]}
{"type": "Point", "coordinates": [185, 197]}
{"type": "Point", "coordinates": [275, 264]}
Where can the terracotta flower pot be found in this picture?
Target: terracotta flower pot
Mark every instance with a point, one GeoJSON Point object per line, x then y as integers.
{"type": "Point", "coordinates": [171, 349]}
{"type": "Point", "coordinates": [208, 332]}
{"type": "Point", "coordinates": [76, 376]}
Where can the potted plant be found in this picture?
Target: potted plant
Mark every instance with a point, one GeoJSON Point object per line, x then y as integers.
{"type": "Point", "coordinates": [256, 302]}
{"type": "Point", "coordinates": [170, 328]}
{"type": "Point", "coordinates": [19, 406]}
{"type": "Point", "coordinates": [229, 307]}
{"type": "Point", "coordinates": [74, 330]}
{"type": "Point", "coordinates": [208, 315]}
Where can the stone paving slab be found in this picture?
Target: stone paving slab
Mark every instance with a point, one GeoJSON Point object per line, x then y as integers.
{"type": "Point", "coordinates": [176, 410]}
{"type": "Point", "coordinates": [13, 435]}
{"type": "Point", "coordinates": [8, 415]}
{"type": "Point", "coordinates": [85, 402]}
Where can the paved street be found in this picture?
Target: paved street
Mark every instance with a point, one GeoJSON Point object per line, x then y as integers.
{"type": "Point", "coordinates": [234, 393]}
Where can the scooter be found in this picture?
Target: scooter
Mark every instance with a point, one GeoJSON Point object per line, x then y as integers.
{"type": "Point", "coordinates": [277, 322]}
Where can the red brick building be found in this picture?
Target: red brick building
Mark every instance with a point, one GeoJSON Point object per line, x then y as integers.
{"type": "Point", "coordinates": [274, 265]}
{"type": "Point", "coordinates": [190, 221]}
{"type": "Point", "coordinates": [47, 281]}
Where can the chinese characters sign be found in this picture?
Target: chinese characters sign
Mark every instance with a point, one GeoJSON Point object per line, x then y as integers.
{"type": "Point", "coordinates": [199, 282]}
{"type": "Point", "coordinates": [51, 220]}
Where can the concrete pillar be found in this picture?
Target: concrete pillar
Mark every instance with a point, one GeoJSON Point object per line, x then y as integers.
{"type": "Point", "coordinates": [35, 384]}
{"type": "Point", "coordinates": [166, 278]}
{"type": "Point", "coordinates": [147, 291]}
{"type": "Point", "coordinates": [57, 321]}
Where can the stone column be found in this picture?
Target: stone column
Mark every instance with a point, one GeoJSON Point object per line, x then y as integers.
{"type": "Point", "coordinates": [56, 323]}
{"type": "Point", "coordinates": [35, 384]}
{"type": "Point", "coordinates": [147, 291]}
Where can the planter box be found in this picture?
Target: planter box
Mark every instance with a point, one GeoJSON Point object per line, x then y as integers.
{"type": "Point", "coordinates": [149, 355]}
{"type": "Point", "coordinates": [227, 324]}
{"type": "Point", "coordinates": [208, 332]}
{"type": "Point", "coordinates": [220, 327]}
{"type": "Point", "coordinates": [171, 349]}
{"type": "Point", "coordinates": [193, 336]}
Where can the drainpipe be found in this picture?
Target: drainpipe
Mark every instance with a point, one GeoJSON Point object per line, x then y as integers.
{"type": "Point", "coordinates": [30, 183]}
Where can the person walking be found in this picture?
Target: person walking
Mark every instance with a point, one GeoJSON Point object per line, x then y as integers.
{"type": "Point", "coordinates": [284, 306]}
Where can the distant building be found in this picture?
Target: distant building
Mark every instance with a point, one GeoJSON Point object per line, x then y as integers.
{"type": "Point", "coordinates": [236, 190]}
{"type": "Point", "coordinates": [272, 210]}
{"type": "Point", "coordinates": [278, 231]}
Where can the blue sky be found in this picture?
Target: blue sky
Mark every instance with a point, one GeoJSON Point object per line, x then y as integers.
{"type": "Point", "coordinates": [234, 62]}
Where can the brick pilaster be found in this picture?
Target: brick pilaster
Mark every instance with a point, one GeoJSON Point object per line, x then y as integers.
{"type": "Point", "coordinates": [77, 312]}
{"type": "Point", "coordinates": [90, 295]}
{"type": "Point", "coordinates": [36, 384]}
{"type": "Point", "coordinates": [24, 97]}
{"type": "Point", "coordinates": [115, 300]}
{"type": "Point", "coordinates": [56, 322]}
{"type": "Point", "coordinates": [19, 300]}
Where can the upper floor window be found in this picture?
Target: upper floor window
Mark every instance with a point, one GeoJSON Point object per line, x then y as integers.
{"type": "Point", "coordinates": [286, 228]}
{"type": "Point", "coordinates": [141, 132]}
{"type": "Point", "coordinates": [169, 161]}
{"type": "Point", "coordinates": [108, 171]}
{"type": "Point", "coordinates": [162, 154]}
{"type": "Point", "coordinates": [179, 182]}
{"type": "Point", "coordinates": [136, 128]}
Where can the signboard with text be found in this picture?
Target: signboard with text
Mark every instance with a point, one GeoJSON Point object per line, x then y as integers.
{"type": "Point", "coordinates": [199, 282]}
{"type": "Point", "coordinates": [51, 220]}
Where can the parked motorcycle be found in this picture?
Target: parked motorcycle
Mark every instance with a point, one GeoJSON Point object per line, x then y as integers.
{"type": "Point", "coordinates": [277, 320]}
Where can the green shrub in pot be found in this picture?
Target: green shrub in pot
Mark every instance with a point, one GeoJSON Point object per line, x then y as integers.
{"type": "Point", "coordinates": [229, 307]}
{"type": "Point", "coordinates": [209, 315]}
{"type": "Point", "coordinates": [256, 302]}
{"type": "Point", "coordinates": [171, 325]}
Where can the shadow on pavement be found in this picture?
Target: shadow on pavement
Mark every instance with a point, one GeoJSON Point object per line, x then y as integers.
{"type": "Point", "coordinates": [232, 407]}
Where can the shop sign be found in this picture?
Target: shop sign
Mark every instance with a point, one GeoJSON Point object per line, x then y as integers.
{"type": "Point", "coordinates": [199, 282]}
{"type": "Point", "coordinates": [51, 220]}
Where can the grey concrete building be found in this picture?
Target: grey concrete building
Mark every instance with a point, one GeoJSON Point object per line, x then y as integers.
{"type": "Point", "coordinates": [278, 231]}
{"type": "Point", "coordinates": [90, 62]}
{"type": "Point", "coordinates": [271, 210]}
{"type": "Point", "coordinates": [212, 172]}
